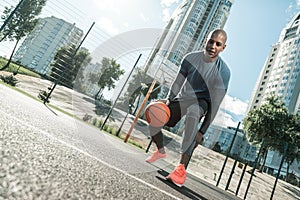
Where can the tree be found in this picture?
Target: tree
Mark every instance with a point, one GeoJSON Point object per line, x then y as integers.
{"type": "Point", "coordinates": [138, 86]}
{"type": "Point", "coordinates": [110, 73]}
{"type": "Point", "coordinates": [270, 122]}
{"type": "Point", "coordinates": [66, 66]}
{"type": "Point", "coordinates": [293, 151]}
{"type": "Point", "coordinates": [80, 62]}
{"type": "Point", "coordinates": [22, 22]}
{"type": "Point", "coordinates": [61, 66]}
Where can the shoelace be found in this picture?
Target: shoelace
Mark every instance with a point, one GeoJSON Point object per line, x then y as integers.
{"type": "Point", "coordinates": [179, 171]}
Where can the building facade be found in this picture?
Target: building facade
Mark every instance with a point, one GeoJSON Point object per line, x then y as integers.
{"type": "Point", "coordinates": [280, 74]}
{"type": "Point", "coordinates": [229, 138]}
{"type": "Point", "coordinates": [38, 49]}
{"type": "Point", "coordinates": [186, 31]}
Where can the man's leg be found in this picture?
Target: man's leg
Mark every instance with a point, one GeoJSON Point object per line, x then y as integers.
{"type": "Point", "coordinates": [190, 136]}
{"type": "Point", "coordinates": [157, 138]}
{"type": "Point", "coordinates": [185, 158]}
{"type": "Point", "coordinates": [157, 135]}
{"type": "Point", "coordinates": [178, 176]}
{"type": "Point", "coordinates": [198, 139]}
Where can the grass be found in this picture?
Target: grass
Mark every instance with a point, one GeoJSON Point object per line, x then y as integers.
{"type": "Point", "coordinates": [13, 67]}
{"type": "Point", "coordinates": [112, 130]}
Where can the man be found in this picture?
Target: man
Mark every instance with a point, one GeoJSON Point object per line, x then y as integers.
{"type": "Point", "coordinates": [198, 90]}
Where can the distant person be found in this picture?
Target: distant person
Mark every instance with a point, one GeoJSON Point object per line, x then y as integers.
{"type": "Point", "coordinates": [198, 90]}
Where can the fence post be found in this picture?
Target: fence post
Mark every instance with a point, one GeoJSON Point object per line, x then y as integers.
{"type": "Point", "coordinates": [227, 154]}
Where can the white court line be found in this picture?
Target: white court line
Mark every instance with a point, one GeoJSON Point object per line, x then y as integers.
{"type": "Point", "coordinates": [87, 154]}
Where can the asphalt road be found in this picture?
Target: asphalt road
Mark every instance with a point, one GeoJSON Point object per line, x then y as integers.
{"type": "Point", "coordinates": [46, 154]}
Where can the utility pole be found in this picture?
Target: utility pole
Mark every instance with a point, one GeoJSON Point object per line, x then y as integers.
{"type": "Point", "coordinates": [73, 55]}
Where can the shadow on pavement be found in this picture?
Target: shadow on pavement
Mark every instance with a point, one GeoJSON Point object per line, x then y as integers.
{"type": "Point", "coordinates": [183, 190]}
{"type": "Point", "coordinates": [50, 109]}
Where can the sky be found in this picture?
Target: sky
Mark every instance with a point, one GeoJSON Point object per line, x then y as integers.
{"type": "Point", "coordinates": [252, 27]}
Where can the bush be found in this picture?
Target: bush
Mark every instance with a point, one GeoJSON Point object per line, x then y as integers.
{"type": "Point", "coordinates": [11, 80]}
{"type": "Point", "coordinates": [43, 96]}
{"type": "Point", "coordinates": [87, 117]}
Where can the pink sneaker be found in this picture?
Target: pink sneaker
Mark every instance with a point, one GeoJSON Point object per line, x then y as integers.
{"type": "Point", "coordinates": [155, 156]}
{"type": "Point", "coordinates": [178, 176]}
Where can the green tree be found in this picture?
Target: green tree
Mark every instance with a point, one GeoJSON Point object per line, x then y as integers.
{"type": "Point", "coordinates": [66, 66]}
{"type": "Point", "coordinates": [110, 73]}
{"type": "Point", "coordinates": [293, 139]}
{"type": "Point", "coordinates": [269, 123]}
{"type": "Point", "coordinates": [22, 22]}
{"type": "Point", "coordinates": [80, 62]}
{"type": "Point", "coordinates": [61, 66]}
{"type": "Point", "coordinates": [138, 86]}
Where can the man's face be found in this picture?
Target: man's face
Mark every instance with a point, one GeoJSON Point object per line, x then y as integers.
{"type": "Point", "coordinates": [214, 45]}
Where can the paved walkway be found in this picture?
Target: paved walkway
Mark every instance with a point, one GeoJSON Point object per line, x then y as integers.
{"type": "Point", "coordinates": [206, 164]}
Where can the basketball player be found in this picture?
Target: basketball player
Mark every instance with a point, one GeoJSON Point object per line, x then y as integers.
{"type": "Point", "coordinates": [198, 90]}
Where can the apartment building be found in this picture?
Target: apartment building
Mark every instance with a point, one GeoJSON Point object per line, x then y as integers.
{"type": "Point", "coordinates": [39, 47]}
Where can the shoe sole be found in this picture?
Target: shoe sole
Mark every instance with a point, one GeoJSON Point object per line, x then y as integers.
{"type": "Point", "coordinates": [155, 160]}
{"type": "Point", "coordinates": [169, 179]}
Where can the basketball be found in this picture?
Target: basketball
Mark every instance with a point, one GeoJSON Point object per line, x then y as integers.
{"type": "Point", "coordinates": [157, 114]}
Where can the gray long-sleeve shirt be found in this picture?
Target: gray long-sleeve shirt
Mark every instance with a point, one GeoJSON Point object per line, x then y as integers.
{"type": "Point", "coordinates": [201, 80]}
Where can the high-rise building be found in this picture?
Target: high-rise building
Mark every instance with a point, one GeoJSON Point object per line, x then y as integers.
{"type": "Point", "coordinates": [186, 31]}
{"type": "Point", "coordinates": [39, 47]}
{"type": "Point", "coordinates": [280, 74]}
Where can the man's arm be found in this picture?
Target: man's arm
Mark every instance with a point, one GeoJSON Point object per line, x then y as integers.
{"type": "Point", "coordinates": [179, 80]}
{"type": "Point", "coordinates": [217, 93]}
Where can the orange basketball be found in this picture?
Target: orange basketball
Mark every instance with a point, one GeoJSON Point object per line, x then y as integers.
{"type": "Point", "coordinates": [157, 114]}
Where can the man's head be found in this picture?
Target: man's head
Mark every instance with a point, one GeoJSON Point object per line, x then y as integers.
{"type": "Point", "coordinates": [215, 44]}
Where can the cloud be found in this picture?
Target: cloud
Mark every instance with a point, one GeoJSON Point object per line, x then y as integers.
{"type": "Point", "coordinates": [232, 110]}
{"type": "Point", "coordinates": [168, 3]}
{"type": "Point", "coordinates": [234, 105]}
{"type": "Point", "coordinates": [143, 17]}
{"type": "Point", "coordinates": [107, 25]}
{"type": "Point", "coordinates": [107, 5]}
{"type": "Point", "coordinates": [293, 8]}
{"type": "Point", "coordinates": [126, 24]}
{"type": "Point", "coordinates": [166, 14]}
